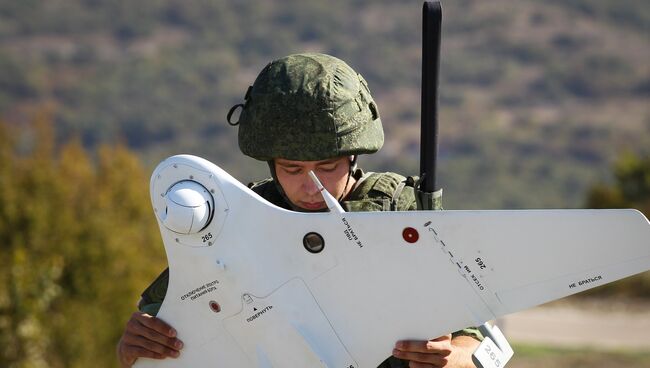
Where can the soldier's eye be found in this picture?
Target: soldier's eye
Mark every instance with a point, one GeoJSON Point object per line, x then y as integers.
{"type": "Point", "coordinates": [327, 168]}
{"type": "Point", "coordinates": [292, 171]}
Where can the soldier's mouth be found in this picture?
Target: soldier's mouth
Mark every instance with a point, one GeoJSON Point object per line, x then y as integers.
{"type": "Point", "coordinates": [312, 205]}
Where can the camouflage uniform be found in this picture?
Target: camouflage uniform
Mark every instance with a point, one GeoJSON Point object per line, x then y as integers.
{"type": "Point", "coordinates": [311, 107]}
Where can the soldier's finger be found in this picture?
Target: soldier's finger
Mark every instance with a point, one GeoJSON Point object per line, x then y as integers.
{"type": "Point", "coordinates": [412, 346]}
{"type": "Point", "coordinates": [440, 346]}
{"type": "Point", "coordinates": [432, 359]}
{"type": "Point", "coordinates": [137, 339]}
{"type": "Point", "coordinates": [155, 324]}
{"type": "Point", "coordinates": [155, 336]}
{"type": "Point", "coordinates": [139, 352]}
{"type": "Point", "coordinates": [442, 338]}
{"type": "Point", "coordinates": [136, 329]}
{"type": "Point", "coordinates": [152, 346]}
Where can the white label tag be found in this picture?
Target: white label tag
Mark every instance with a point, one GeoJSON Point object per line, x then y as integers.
{"type": "Point", "coordinates": [488, 355]}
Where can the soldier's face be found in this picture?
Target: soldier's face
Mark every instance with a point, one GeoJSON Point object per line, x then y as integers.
{"type": "Point", "coordinates": [301, 190]}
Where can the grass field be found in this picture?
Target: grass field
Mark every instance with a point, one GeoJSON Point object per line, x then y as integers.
{"type": "Point", "coordinates": [534, 356]}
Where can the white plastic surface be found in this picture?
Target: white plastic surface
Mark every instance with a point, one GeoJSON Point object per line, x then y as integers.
{"type": "Point", "coordinates": [379, 278]}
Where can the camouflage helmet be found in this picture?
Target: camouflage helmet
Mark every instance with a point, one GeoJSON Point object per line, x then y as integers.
{"type": "Point", "coordinates": [309, 107]}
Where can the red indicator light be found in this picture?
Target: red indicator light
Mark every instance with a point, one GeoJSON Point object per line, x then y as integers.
{"type": "Point", "coordinates": [216, 308]}
{"type": "Point", "coordinates": [410, 235]}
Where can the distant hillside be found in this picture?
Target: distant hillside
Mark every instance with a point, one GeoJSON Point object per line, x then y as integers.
{"type": "Point", "coordinates": [538, 98]}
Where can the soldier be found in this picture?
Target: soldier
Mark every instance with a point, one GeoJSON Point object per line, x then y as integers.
{"type": "Point", "coordinates": [309, 112]}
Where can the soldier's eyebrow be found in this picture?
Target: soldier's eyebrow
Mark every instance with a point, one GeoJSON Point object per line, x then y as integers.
{"type": "Point", "coordinates": [291, 164]}
{"type": "Point", "coordinates": [327, 162]}
{"type": "Point", "coordinates": [288, 164]}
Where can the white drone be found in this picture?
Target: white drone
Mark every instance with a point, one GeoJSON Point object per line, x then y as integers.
{"type": "Point", "coordinates": [254, 285]}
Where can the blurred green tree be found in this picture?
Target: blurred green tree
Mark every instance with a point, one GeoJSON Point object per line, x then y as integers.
{"type": "Point", "coordinates": [631, 189]}
{"type": "Point", "coordinates": [79, 241]}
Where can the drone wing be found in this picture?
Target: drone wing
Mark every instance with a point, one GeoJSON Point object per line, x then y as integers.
{"type": "Point", "coordinates": [260, 286]}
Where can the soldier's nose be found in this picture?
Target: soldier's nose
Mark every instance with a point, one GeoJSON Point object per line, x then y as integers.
{"type": "Point", "coordinates": [310, 187]}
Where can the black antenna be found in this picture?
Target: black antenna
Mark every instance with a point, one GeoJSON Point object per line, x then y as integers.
{"type": "Point", "coordinates": [431, 34]}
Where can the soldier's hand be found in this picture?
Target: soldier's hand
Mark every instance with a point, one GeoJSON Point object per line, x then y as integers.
{"type": "Point", "coordinates": [441, 352]}
{"type": "Point", "coordinates": [147, 336]}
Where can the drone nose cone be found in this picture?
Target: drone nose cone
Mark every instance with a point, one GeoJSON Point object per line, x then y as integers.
{"type": "Point", "coordinates": [189, 207]}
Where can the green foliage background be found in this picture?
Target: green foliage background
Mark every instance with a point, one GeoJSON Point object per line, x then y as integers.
{"type": "Point", "coordinates": [78, 245]}
{"type": "Point", "coordinates": [538, 98]}
{"type": "Point", "coordinates": [541, 101]}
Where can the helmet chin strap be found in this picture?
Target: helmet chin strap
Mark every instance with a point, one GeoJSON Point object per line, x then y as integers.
{"type": "Point", "coordinates": [353, 166]}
